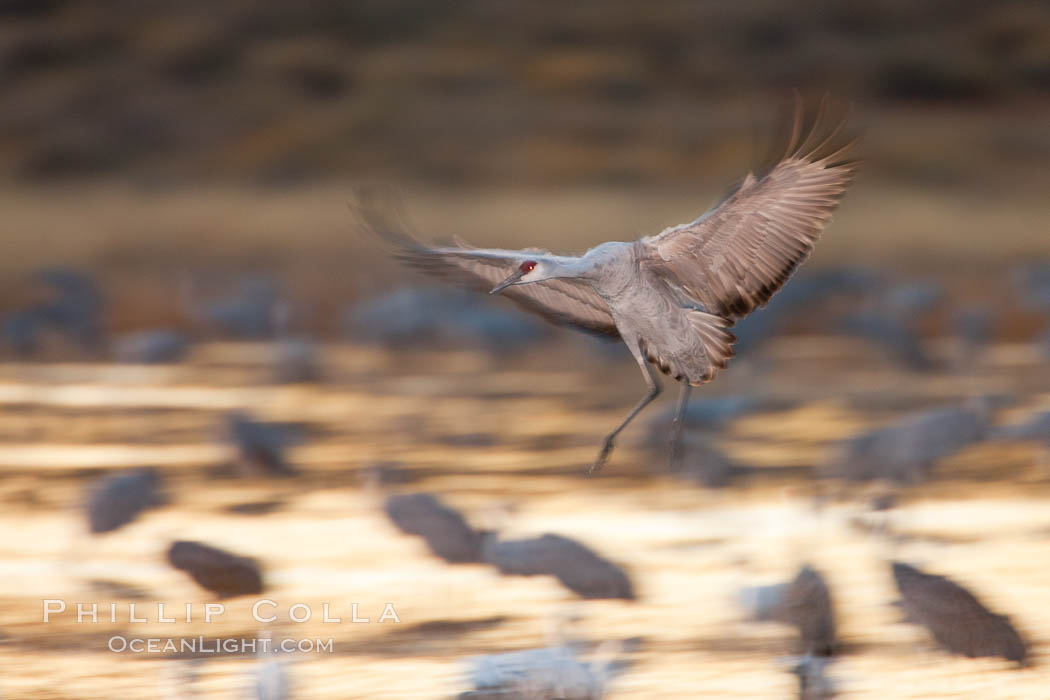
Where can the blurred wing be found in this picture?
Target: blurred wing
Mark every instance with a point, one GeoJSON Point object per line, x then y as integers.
{"type": "Point", "coordinates": [566, 302]}
{"type": "Point", "coordinates": [736, 256]}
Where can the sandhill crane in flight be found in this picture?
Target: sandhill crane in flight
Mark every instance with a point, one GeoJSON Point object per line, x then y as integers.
{"type": "Point", "coordinates": [671, 297]}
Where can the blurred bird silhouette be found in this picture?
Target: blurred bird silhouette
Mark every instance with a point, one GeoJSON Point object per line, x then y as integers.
{"type": "Point", "coordinates": [294, 354]}
{"type": "Point", "coordinates": [75, 306]}
{"type": "Point", "coordinates": [808, 291]}
{"type": "Point", "coordinates": [671, 297]}
{"type": "Point", "coordinates": [407, 317]}
{"type": "Point", "coordinates": [248, 312]}
{"type": "Point", "coordinates": [955, 617]}
{"type": "Point", "coordinates": [261, 445]}
{"type": "Point", "coordinates": [895, 337]}
{"type": "Point", "coordinates": [804, 603]}
{"type": "Point", "coordinates": [904, 451]}
{"type": "Point", "coordinates": [705, 464]}
{"type": "Point", "coordinates": [20, 331]}
{"type": "Point", "coordinates": [295, 361]}
{"type": "Point", "coordinates": [908, 301]}
{"type": "Point", "coordinates": [71, 308]}
{"type": "Point", "coordinates": [158, 346]}
{"type": "Point", "coordinates": [550, 673]}
{"type": "Point", "coordinates": [117, 500]}
{"type": "Point", "coordinates": [445, 531]}
{"type": "Point", "coordinates": [713, 414]}
{"type": "Point", "coordinates": [576, 566]}
{"type": "Point", "coordinates": [225, 574]}
{"type": "Point", "coordinates": [888, 318]}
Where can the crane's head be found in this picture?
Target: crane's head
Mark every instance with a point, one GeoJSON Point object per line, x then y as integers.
{"type": "Point", "coordinates": [528, 271]}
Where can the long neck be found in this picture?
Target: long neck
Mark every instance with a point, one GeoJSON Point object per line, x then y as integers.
{"type": "Point", "coordinates": [568, 266]}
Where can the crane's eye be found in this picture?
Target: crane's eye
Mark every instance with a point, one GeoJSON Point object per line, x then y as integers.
{"type": "Point", "coordinates": [528, 266]}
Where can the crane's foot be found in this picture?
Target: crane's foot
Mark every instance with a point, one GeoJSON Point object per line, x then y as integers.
{"type": "Point", "coordinates": [607, 448]}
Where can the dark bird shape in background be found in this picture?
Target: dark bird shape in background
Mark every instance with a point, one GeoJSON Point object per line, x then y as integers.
{"type": "Point", "coordinates": [117, 500]}
{"type": "Point", "coordinates": [295, 361]}
{"type": "Point", "coordinates": [955, 617]}
{"type": "Point", "coordinates": [247, 313]}
{"type": "Point", "coordinates": [225, 574]}
{"type": "Point", "coordinates": [804, 603]}
{"type": "Point", "coordinates": [446, 532]}
{"type": "Point", "coordinates": [294, 355]}
{"type": "Point", "coordinates": [404, 318]}
{"type": "Point", "coordinates": [20, 331]}
{"type": "Point", "coordinates": [712, 414]}
{"type": "Point", "coordinates": [808, 291]}
{"type": "Point", "coordinates": [907, 301]}
{"type": "Point", "coordinates": [889, 319]}
{"type": "Point", "coordinates": [75, 305]}
{"type": "Point", "coordinates": [673, 296]}
{"type": "Point", "coordinates": [261, 445]}
{"type": "Point", "coordinates": [904, 451]}
{"type": "Point", "coordinates": [71, 307]}
{"type": "Point", "coordinates": [577, 567]}
{"type": "Point", "coordinates": [705, 464]}
{"type": "Point", "coordinates": [151, 347]}
{"type": "Point", "coordinates": [895, 337]}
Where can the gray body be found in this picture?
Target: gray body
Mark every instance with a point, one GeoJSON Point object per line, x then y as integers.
{"type": "Point", "coordinates": [671, 297]}
{"type": "Point", "coordinates": [657, 322]}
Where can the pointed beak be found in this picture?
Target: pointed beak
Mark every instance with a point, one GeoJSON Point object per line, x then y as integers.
{"type": "Point", "coordinates": [507, 282]}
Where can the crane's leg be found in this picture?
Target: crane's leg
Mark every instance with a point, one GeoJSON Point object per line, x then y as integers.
{"type": "Point", "coordinates": [654, 391]}
{"type": "Point", "coordinates": [676, 427]}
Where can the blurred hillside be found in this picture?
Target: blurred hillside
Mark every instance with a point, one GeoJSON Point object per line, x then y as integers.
{"type": "Point", "coordinates": [505, 93]}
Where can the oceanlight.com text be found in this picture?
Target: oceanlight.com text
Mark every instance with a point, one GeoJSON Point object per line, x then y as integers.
{"type": "Point", "coordinates": [204, 645]}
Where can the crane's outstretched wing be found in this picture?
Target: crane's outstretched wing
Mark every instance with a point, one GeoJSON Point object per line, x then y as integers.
{"type": "Point", "coordinates": [565, 301]}
{"type": "Point", "coordinates": [736, 256]}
